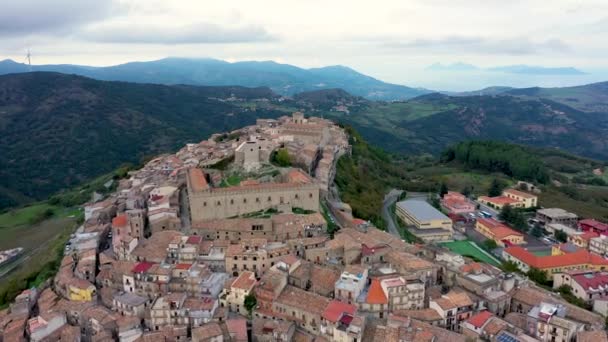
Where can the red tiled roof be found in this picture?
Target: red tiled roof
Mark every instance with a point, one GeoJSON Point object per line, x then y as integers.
{"type": "Point", "coordinates": [245, 281]}
{"type": "Point", "coordinates": [499, 199]}
{"type": "Point", "coordinates": [597, 225]}
{"type": "Point", "coordinates": [591, 280]}
{"type": "Point", "coordinates": [194, 239]}
{"type": "Point", "coordinates": [542, 262]}
{"type": "Point", "coordinates": [197, 179]}
{"type": "Point", "coordinates": [183, 266]}
{"type": "Point", "coordinates": [336, 308]}
{"type": "Point", "coordinates": [376, 294]}
{"type": "Point", "coordinates": [119, 221]}
{"type": "Point", "coordinates": [366, 250]}
{"type": "Point", "coordinates": [142, 267]}
{"type": "Point", "coordinates": [519, 193]}
{"type": "Point", "coordinates": [499, 230]}
{"type": "Point", "coordinates": [480, 319]}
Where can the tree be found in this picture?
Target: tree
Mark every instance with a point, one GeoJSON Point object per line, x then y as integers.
{"type": "Point", "coordinates": [250, 302]}
{"type": "Point", "coordinates": [490, 244]}
{"type": "Point", "coordinates": [538, 276]}
{"type": "Point", "coordinates": [506, 213]}
{"type": "Point", "coordinates": [510, 266]}
{"type": "Point", "coordinates": [443, 190]}
{"type": "Point", "coordinates": [496, 188]}
{"type": "Point", "coordinates": [467, 191]}
{"type": "Point", "coordinates": [282, 158]}
{"type": "Point", "coordinates": [561, 236]}
{"type": "Point", "coordinates": [537, 231]}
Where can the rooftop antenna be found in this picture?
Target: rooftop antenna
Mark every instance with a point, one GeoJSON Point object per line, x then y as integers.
{"type": "Point", "coordinates": [29, 59]}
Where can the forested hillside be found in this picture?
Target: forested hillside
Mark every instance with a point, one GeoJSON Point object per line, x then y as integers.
{"type": "Point", "coordinates": [58, 130]}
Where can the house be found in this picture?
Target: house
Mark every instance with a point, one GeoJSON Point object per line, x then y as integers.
{"type": "Point", "coordinates": [592, 225]}
{"type": "Point", "coordinates": [454, 308]}
{"type": "Point", "coordinates": [351, 283]}
{"type": "Point", "coordinates": [511, 197]}
{"type": "Point", "coordinates": [578, 260]}
{"type": "Point", "coordinates": [237, 329]}
{"type": "Point", "coordinates": [473, 326]}
{"type": "Point", "coordinates": [234, 296]}
{"type": "Point", "coordinates": [498, 232]}
{"type": "Point", "coordinates": [556, 215]}
{"type": "Point", "coordinates": [266, 330]}
{"type": "Point", "coordinates": [547, 322]}
{"type": "Point", "coordinates": [599, 245]}
{"type": "Point", "coordinates": [427, 223]}
{"type": "Point", "coordinates": [130, 304]}
{"type": "Point", "coordinates": [305, 308]}
{"type": "Point", "coordinates": [403, 294]}
{"type": "Point", "coordinates": [335, 313]}
{"type": "Point", "coordinates": [582, 239]}
{"type": "Point", "coordinates": [457, 203]}
{"type": "Point", "coordinates": [586, 285]}
{"type": "Point", "coordinates": [210, 332]}
{"type": "Point", "coordinates": [41, 327]}
{"type": "Point", "coordinates": [81, 290]}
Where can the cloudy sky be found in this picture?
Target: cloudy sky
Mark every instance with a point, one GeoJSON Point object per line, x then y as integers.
{"type": "Point", "coordinates": [393, 40]}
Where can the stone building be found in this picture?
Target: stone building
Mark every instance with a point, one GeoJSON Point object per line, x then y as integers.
{"type": "Point", "coordinates": [207, 203]}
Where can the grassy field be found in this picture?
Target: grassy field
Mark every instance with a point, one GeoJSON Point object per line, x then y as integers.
{"type": "Point", "coordinates": [470, 249]}
{"type": "Point", "coordinates": [23, 216]}
{"type": "Point", "coordinates": [232, 180]}
{"type": "Point", "coordinates": [591, 202]}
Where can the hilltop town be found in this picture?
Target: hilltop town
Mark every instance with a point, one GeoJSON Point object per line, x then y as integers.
{"type": "Point", "coordinates": [242, 237]}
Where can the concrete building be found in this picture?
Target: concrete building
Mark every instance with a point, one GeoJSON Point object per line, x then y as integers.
{"type": "Point", "coordinates": [586, 285]}
{"type": "Point", "coordinates": [454, 308]}
{"type": "Point", "coordinates": [556, 215]}
{"type": "Point", "coordinates": [457, 203]}
{"type": "Point", "coordinates": [599, 245]}
{"type": "Point", "coordinates": [233, 296]}
{"type": "Point", "coordinates": [428, 223]}
{"type": "Point", "coordinates": [498, 232]}
{"type": "Point", "coordinates": [511, 197]}
{"type": "Point", "coordinates": [547, 322]}
{"type": "Point", "coordinates": [578, 260]}
{"type": "Point", "coordinates": [256, 255]}
{"type": "Point", "coordinates": [351, 283]}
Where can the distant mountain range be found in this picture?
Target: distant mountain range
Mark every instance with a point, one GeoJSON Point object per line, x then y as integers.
{"type": "Point", "coordinates": [509, 69]}
{"type": "Point", "coordinates": [284, 79]}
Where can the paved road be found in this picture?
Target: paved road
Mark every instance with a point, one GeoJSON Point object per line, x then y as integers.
{"type": "Point", "coordinates": [389, 199]}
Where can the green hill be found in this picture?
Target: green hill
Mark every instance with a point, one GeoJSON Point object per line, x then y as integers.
{"type": "Point", "coordinates": [430, 123]}
{"type": "Point", "coordinates": [58, 130]}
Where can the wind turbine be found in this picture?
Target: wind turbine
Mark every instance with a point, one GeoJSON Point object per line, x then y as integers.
{"type": "Point", "coordinates": [29, 59]}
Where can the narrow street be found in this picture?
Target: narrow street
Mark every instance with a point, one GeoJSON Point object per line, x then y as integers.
{"type": "Point", "coordinates": [390, 198]}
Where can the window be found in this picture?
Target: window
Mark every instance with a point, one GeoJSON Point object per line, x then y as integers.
{"type": "Point", "coordinates": [231, 201]}
{"type": "Point", "coordinates": [204, 204]}
{"type": "Point", "coordinates": [257, 200]}
{"type": "Point", "coordinates": [310, 195]}
{"type": "Point", "coordinates": [269, 198]}
{"type": "Point", "coordinates": [244, 200]}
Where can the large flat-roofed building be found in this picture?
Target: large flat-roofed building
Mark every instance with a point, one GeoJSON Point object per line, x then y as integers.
{"type": "Point", "coordinates": [557, 215]}
{"type": "Point", "coordinates": [428, 223]}
{"type": "Point", "coordinates": [207, 203]}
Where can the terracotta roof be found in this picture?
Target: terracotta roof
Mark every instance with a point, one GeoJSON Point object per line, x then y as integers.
{"type": "Point", "coordinates": [183, 266]}
{"type": "Point", "coordinates": [480, 319]}
{"type": "Point", "coordinates": [119, 221]}
{"type": "Point", "coordinates": [498, 199]}
{"type": "Point", "coordinates": [237, 327]}
{"type": "Point", "coordinates": [519, 193]}
{"type": "Point", "coordinates": [427, 315]}
{"type": "Point", "coordinates": [597, 225]}
{"type": "Point", "coordinates": [499, 230]}
{"type": "Point", "coordinates": [303, 300]}
{"type": "Point", "coordinates": [206, 331]}
{"type": "Point", "coordinates": [142, 267]}
{"type": "Point", "coordinates": [245, 281]}
{"type": "Point", "coordinates": [542, 262]}
{"type": "Point", "coordinates": [376, 294]}
{"type": "Point", "coordinates": [197, 179]}
{"type": "Point", "coordinates": [194, 239]}
{"type": "Point", "coordinates": [591, 280]}
{"type": "Point", "coordinates": [591, 336]}
{"type": "Point", "coordinates": [336, 308]}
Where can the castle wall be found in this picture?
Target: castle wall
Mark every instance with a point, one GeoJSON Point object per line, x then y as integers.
{"type": "Point", "coordinates": [226, 203]}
